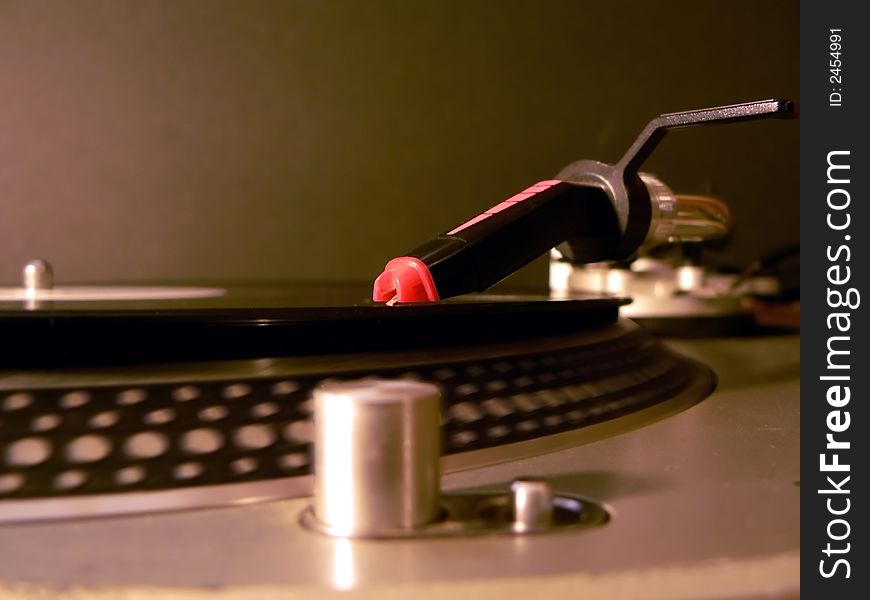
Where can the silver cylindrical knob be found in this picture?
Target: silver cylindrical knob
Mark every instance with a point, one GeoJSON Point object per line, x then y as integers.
{"type": "Point", "coordinates": [376, 456]}
{"type": "Point", "coordinates": [533, 504]}
{"type": "Point", "coordinates": [37, 275]}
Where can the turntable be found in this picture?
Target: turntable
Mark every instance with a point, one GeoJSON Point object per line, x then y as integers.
{"type": "Point", "coordinates": [579, 451]}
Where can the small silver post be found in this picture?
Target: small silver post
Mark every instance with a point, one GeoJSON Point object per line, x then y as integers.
{"type": "Point", "coordinates": [37, 275]}
{"type": "Point", "coordinates": [533, 504]}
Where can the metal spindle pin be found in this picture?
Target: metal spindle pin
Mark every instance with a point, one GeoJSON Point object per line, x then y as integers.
{"type": "Point", "coordinates": [376, 457]}
{"type": "Point", "coordinates": [37, 275]}
{"type": "Point", "coordinates": [533, 504]}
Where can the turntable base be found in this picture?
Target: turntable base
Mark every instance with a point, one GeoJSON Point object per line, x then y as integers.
{"type": "Point", "coordinates": [705, 504]}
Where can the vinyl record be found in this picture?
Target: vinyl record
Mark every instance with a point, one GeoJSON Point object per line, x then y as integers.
{"type": "Point", "coordinates": [78, 326]}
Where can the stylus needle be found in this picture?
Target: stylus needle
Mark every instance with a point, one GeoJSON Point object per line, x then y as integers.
{"type": "Point", "coordinates": [393, 300]}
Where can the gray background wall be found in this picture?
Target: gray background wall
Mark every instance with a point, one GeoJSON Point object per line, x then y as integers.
{"type": "Point", "coordinates": [170, 139]}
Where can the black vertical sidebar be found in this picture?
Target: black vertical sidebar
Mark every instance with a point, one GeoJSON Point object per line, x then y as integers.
{"type": "Point", "coordinates": [835, 360]}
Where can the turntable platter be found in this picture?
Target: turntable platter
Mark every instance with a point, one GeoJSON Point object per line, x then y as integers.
{"type": "Point", "coordinates": [148, 437]}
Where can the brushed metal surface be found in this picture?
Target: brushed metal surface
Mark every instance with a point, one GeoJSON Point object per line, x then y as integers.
{"type": "Point", "coordinates": [705, 504]}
